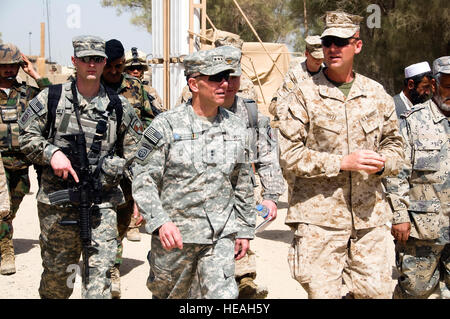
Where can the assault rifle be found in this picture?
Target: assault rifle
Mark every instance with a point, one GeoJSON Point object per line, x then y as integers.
{"type": "Point", "coordinates": [85, 195]}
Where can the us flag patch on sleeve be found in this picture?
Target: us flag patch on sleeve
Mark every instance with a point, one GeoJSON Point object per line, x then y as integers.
{"type": "Point", "coordinates": [152, 135]}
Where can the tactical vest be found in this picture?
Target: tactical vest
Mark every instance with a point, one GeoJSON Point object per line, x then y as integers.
{"type": "Point", "coordinates": [65, 122]}
{"type": "Point", "coordinates": [10, 114]}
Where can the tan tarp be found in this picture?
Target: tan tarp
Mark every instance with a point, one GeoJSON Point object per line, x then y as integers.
{"type": "Point", "coordinates": [257, 64]}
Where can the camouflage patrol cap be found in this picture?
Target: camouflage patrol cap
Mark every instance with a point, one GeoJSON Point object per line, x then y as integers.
{"type": "Point", "coordinates": [441, 65]}
{"type": "Point", "coordinates": [228, 39]}
{"type": "Point", "coordinates": [232, 56]}
{"type": "Point", "coordinates": [88, 45]}
{"type": "Point", "coordinates": [206, 62]}
{"type": "Point", "coordinates": [10, 54]}
{"type": "Point", "coordinates": [314, 46]}
{"type": "Point", "coordinates": [341, 24]}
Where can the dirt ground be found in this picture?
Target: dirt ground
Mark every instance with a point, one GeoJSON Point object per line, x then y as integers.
{"type": "Point", "coordinates": [271, 247]}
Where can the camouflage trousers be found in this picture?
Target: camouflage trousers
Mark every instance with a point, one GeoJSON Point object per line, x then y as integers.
{"type": "Point", "coordinates": [18, 185]}
{"type": "Point", "coordinates": [124, 214]}
{"type": "Point", "coordinates": [5, 205]}
{"type": "Point", "coordinates": [61, 250]}
{"type": "Point", "coordinates": [422, 264]}
{"type": "Point", "coordinates": [318, 255]}
{"type": "Point", "coordinates": [172, 272]}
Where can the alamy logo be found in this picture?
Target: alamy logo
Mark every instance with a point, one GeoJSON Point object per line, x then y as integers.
{"type": "Point", "coordinates": [74, 18]}
{"type": "Point", "coordinates": [374, 20]}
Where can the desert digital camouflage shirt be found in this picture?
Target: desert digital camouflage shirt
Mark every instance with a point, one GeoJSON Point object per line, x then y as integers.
{"type": "Point", "coordinates": [195, 174]}
{"type": "Point", "coordinates": [425, 175]}
{"type": "Point", "coordinates": [15, 103]}
{"type": "Point", "coordinates": [320, 127]}
{"type": "Point", "coordinates": [141, 100]}
{"type": "Point", "coordinates": [40, 150]}
{"type": "Point", "coordinates": [266, 151]}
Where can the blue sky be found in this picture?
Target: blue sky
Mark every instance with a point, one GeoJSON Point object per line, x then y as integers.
{"type": "Point", "coordinates": [68, 18]}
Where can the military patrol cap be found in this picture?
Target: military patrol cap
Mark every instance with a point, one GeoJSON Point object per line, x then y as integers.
{"type": "Point", "coordinates": [228, 39]}
{"type": "Point", "coordinates": [88, 45]}
{"type": "Point", "coordinates": [441, 65]}
{"type": "Point", "coordinates": [10, 54]}
{"type": "Point", "coordinates": [341, 24]}
{"type": "Point", "coordinates": [314, 46]}
{"type": "Point", "coordinates": [207, 62]}
{"type": "Point", "coordinates": [233, 57]}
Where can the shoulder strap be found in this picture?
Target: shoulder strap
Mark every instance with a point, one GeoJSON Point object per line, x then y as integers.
{"type": "Point", "coordinates": [252, 110]}
{"type": "Point", "coordinates": [54, 94]}
{"type": "Point", "coordinates": [114, 102]}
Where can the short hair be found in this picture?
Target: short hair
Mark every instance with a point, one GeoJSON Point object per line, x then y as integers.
{"type": "Point", "coordinates": [418, 78]}
{"type": "Point", "coordinates": [437, 77]}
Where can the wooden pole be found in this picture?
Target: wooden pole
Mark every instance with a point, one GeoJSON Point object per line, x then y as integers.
{"type": "Point", "coordinates": [256, 34]}
{"type": "Point", "coordinates": [41, 59]}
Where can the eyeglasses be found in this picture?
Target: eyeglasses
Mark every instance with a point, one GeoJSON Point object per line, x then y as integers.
{"type": "Point", "coordinates": [339, 42]}
{"type": "Point", "coordinates": [95, 59]}
{"type": "Point", "coordinates": [135, 67]}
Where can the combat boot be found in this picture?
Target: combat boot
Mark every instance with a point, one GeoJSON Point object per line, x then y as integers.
{"type": "Point", "coordinates": [248, 289]}
{"type": "Point", "coordinates": [7, 264]}
{"type": "Point", "coordinates": [133, 234]}
{"type": "Point", "coordinates": [115, 282]}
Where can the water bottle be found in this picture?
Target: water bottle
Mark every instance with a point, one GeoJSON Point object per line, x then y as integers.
{"type": "Point", "coordinates": [262, 211]}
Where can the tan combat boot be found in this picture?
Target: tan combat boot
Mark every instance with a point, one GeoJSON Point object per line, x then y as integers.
{"type": "Point", "coordinates": [248, 289]}
{"type": "Point", "coordinates": [133, 234]}
{"type": "Point", "coordinates": [115, 282]}
{"type": "Point", "coordinates": [7, 265]}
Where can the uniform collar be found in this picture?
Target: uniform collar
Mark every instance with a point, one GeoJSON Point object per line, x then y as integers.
{"type": "Point", "coordinates": [436, 113]}
{"type": "Point", "coordinates": [328, 89]}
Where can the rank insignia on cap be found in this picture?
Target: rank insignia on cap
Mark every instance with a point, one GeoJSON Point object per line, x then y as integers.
{"type": "Point", "coordinates": [153, 135]}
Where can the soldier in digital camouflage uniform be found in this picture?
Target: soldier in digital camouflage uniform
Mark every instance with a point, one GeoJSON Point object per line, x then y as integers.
{"type": "Point", "coordinates": [14, 98]}
{"type": "Point", "coordinates": [110, 153]}
{"type": "Point", "coordinates": [265, 159]}
{"type": "Point", "coordinates": [247, 89]}
{"type": "Point", "coordinates": [146, 108]}
{"type": "Point", "coordinates": [340, 139]}
{"type": "Point", "coordinates": [422, 231]}
{"type": "Point", "coordinates": [299, 70]}
{"type": "Point", "coordinates": [192, 184]}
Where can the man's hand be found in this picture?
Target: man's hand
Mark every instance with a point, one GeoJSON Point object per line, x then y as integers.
{"type": "Point", "coordinates": [62, 166]}
{"type": "Point", "coordinates": [401, 232]}
{"type": "Point", "coordinates": [272, 207]}
{"type": "Point", "coordinates": [28, 68]}
{"type": "Point", "coordinates": [363, 160]}
{"type": "Point", "coordinates": [170, 236]}
{"type": "Point", "coordinates": [137, 215]}
{"type": "Point", "coordinates": [240, 248]}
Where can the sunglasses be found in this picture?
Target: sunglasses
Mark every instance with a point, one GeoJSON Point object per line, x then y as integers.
{"type": "Point", "coordinates": [339, 42]}
{"type": "Point", "coordinates": [225, 75]}
{"type": "Point", "coordinates": [95, 59]}
{"type": "Point", "coordinates": [136, 67]}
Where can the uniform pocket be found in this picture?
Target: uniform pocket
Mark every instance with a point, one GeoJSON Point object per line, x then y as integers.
{"type": "Point", "coordinates": [298, 256]}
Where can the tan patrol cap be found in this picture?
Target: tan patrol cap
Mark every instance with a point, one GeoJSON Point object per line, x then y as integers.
{"type": "Point", "coordinates": [314, 46]}
{"type": "Point", "coordinates": [341, 24]}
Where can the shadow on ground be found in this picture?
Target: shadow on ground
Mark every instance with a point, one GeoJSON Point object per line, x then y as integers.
{"type": "Point", "coordinates": [22, 245]}
{"type": "Point", "coordinates": [128, 264]}
{"type": "Point", "coordinates": [278, 235]}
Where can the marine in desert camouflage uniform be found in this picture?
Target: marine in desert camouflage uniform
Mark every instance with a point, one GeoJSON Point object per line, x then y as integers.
{"type": "Point", "coordinates": [111, 156]}
{"type": "Point", "coordinates": [340, 138]}
{"type": "Point", "coordinates": [192, 185]}
{"type": "Point", "coordinates": [14, 98]}
{"type": "Point", "coordinates": [422, 231]}
{"type": "Point", "coordinates": [146, 108]}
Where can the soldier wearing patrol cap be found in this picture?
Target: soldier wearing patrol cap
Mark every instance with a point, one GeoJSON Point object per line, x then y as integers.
{"type": "Point", "coordinates": [192, 185]}
{"type": "Point", "coordinates": [339, 137]}
{"type": "Point", "coordinates": [112, 130]}
{"type": "Point", "coordinates": [421, 228]}
{"type": "Point", "coordinates": [14, 98]}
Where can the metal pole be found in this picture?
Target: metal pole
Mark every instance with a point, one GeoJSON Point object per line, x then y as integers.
{"type": "Point", "coordinates": [166, 10]}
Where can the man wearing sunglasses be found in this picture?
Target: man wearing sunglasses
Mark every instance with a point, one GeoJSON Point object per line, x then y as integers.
{"type": "Point", "coordinates": [193, 186]}
{"type": "Point", "coordinates": [112, 131]}
{"type": "Point", "coordinates": [340, 138]}
{"type": "Point", "coordinates": [146, 107]}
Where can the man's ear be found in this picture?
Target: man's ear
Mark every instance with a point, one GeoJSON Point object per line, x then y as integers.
{"type": "Point", "coordinates": [411, 84]}
{"type": "Point", "coordinates": [434, 86]}
{"type": "Point", "coordinates": [193, 84]}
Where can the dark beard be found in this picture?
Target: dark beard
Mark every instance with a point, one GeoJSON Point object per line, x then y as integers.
{"type": "Point", "coordinates": [416, 98]}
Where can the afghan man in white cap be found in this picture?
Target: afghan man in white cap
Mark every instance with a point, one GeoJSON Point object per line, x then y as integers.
{"type": "Point", "coordinates": [417, 87]}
